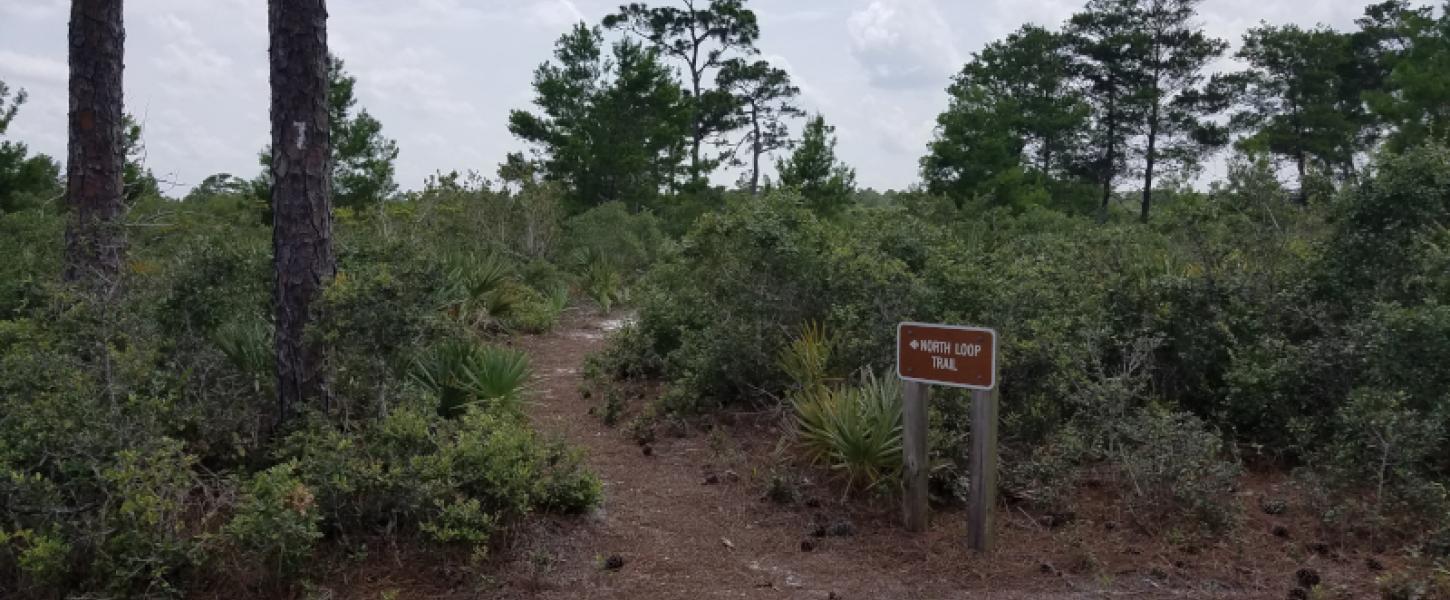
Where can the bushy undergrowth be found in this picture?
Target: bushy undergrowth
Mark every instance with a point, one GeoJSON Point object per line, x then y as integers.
{"type": "Point", "coordinates": [140, 453]}
{"type": "Point", "coordinates": [1238, 324]}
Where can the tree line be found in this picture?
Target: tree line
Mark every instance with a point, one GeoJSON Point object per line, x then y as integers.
{"type": "Point", "coordinates": [1124, 88]}
{"type": "Point", "coordinates": [655, 99]}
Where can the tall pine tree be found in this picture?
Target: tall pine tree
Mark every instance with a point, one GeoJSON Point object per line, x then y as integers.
{"type": "Point", "coordinates": [702, 37]}
{"type": "Point", "coordinates": [764, 97]}
{"type": "Point", "coordinates": [611, 129]}
{"type": "Point", "coordinates": [95, 244]}
{"type": "Point", "coordinates": [1172, 55]}
{"type": "Point", "coordinates": [362, 157]}
{"type": "Point", "coordinates": [301, 161]}
{"type": "Point", "coordinates": [1290, 98]}
{"type": "Point", "coordinates": [824, 183]}
{"type": "Point", "coordinates": [1412, 48]}
{"type": "Point", "coordinates": [1108, 62]}
{"type": "Point", "coordinates": [1014, 112]}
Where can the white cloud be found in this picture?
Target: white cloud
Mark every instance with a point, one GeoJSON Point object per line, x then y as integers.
{"type": "Point", "coordinates": [554, 14]}
{"type": "Point", "coordinates": [40, 69]}
{"type": "Point", "coordinates": [33, 9]}
{"type": "Point", "coordinates": [190, 67]}
{"type": "Point", "coordinates": [903, 44]}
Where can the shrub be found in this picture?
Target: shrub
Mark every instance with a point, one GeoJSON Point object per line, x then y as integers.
{"type": "Point", "coordinates": [632, 242]}
{"type": "Point", "coordinates": [147, 543]}
{"type": "Point", "coordinates": [139, 452]}
{"type": "Point", "coordinates": [1381, 464]}
{"type": "Point", "coordinates": [718, 310]}
{"type": "Point", "coordinates": [856, 431]}
{"type": "Point", "coordinates": [453, 480]}
{"type": "Point", "coordinates": [1173, 464]}
{"type": "Point", "coordinates": [539, 312]}
{"type": "Point", "coordinates": [602, 280]}
{"type": "Point", "coordinates": [806, 360]}
{"type": "Point", "coordinates": [276, 521]}
{"type": "Point", "coordinates": [1374, 252]}
{"type": "Point", "coordinates": [462, 373]}
{"type": "Point", "coordinates": [483, 286]}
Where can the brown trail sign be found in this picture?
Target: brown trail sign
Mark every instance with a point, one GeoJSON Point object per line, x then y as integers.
{"type": "Point", "coordinates": [964, 357]}
{"type": "Point", "coordinates": [947, 355]}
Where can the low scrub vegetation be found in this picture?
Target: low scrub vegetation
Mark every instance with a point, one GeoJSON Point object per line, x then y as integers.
{"type": "Point", "coordinates": [139, 448]}
{"type": "Point", "coordinates": [1240, 327]}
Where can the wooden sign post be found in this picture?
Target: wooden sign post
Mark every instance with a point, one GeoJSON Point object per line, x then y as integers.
{"type": "Point", "coordinates": [964, 357]}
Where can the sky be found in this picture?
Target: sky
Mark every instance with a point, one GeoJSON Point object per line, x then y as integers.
{"type": "Point", "coordinates": [442, 75]}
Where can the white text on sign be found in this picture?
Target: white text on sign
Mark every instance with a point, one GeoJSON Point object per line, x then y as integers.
{"type": "Point", "coordinates": [944, 347]}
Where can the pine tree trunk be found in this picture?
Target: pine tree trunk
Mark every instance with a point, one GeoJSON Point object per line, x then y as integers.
{"type": "Point", "coordinates": [1109, 162]}
{"type": "Point", "coordinates": [301, 195]}
{"type": "Point", "coordinates": [696, 114]}
{"type": "Point", "coordinates": [1303, 195]}
{"type": "Point", "coordinates": [1150, 157]}
{"type": "Point", "coordinates": [755, 151]}
{"type": "Point", "coordinates": [95, 244]}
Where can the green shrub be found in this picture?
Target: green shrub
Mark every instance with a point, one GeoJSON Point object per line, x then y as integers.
{"type": "Point", "coordinates": [139, 453]}
{"type": "Point", "coordinates": [1381, 464]}
{"type": "Point", "coordinates": [484, 288]}
{"type": "Point", "coordinates": [806, 360]}
{"type": "Point", "coordinates": [631, 242]}
{"type": "Point", "coordinates": [856, 431]}
{"type": "Point", "coordinates": [717, 311]}
{"type": "Point", "coordinates": [1172, 464]}
{"type": "Point", "coordinates": [148, 544]}
{"type": "Point", "coordinates": [537, 312]}
{"type": "Point", "coordinates": [462, 373]}
{"type": "Point", "coordinates": [463, 521]}
{"type": "Point", "coordinates": [276, 521]}
{"type": "Point", "coordinates": [1375, 248]}
{"type": "Point", "coordinates": [602, 280]}
{"type": "Point", "coordinates": [629, 353]}
{"type": "Point", "coordinates": [41, 560]}
{"type": "Point", "coordinates": [453, 479]}
{"type": "Point", "coordinates": [248, 346]}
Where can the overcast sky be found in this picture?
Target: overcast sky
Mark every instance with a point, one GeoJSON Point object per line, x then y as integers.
{"type": "Point", "coordinates": [442, 74]}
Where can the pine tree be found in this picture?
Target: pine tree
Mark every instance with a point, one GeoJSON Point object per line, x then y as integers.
{"type": "Point", "coordinates": [611, 129]}
{"type": "Point", "coordinates": [362, 157]}
{"type": "Point", "coordinates": [1013, 109]}
{"type": "Point", "coordinates": [1173, 54]}
{"type": "Point", "coordinates": [1291, 98]}
{"type": "Point", "coordinates": [702, 37]}
{"type": "Point", "coordinates": [1108, 62]}
{"type": "Point", "coordinates": [25, 181]}
{"type": "Point", "coordinates": [1412, 48]}
{"type": "Point", "coordinates": [763, 98]}
{"type": "Point", "coordinates": [301, 195]}
{"type": "Point", "coordinates": [95, 246]}
{"type": "Point", "coordinates": [824, 183]}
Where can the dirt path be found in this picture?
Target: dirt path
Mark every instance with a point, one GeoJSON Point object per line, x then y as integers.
{"type": "Point", "coordinates": [681, 537]}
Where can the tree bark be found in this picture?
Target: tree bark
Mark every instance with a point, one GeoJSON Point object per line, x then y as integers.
{"type": "Point", "coordinates": [755, 150]}
{"type": "Point", "coordinates": [1303, 195]}
{"type": "Point", "coordinates": [95, 244]}
{"type": "Point", "coordinates": [1109, 163]}
{"type": "Point", "coordinates": [696, 74]}
{"type": "Point", "coordinates": [1148, 162]}
{"type": "Point", "coordinates": [301, 195]}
